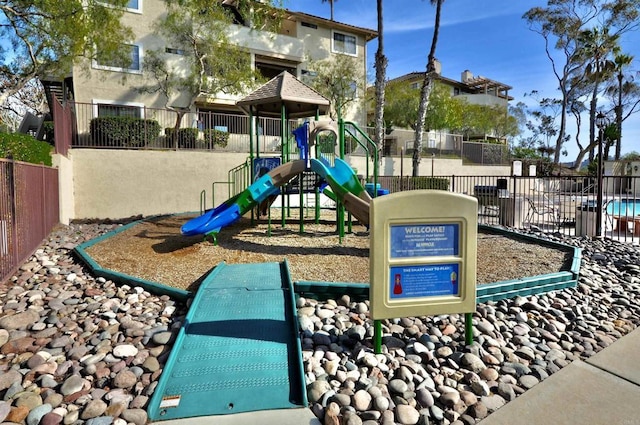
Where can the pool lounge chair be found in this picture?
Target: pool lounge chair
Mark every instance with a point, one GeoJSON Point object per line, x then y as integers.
{"type": "Point", "coordinates": [537, 213]}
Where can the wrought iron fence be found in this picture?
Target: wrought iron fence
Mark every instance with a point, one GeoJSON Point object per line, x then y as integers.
{"type": "Point", "coordinates": [565, 204]}
{"type": "Point", "coordinates": [28, 211]}
{"type": "Point", "coordinates": [140, 127]}
{"type": "Point", "coordinates": [440, 145]}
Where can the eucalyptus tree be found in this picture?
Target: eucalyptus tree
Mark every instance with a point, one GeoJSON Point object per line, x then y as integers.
{"type": "Point", "coordinates": [426, 87]}
{"type": "Point", "coordinates": [560, 24]}
{"type": "Point", "coordinates": [207, 57]}
{"type": "Point", "coordinates": [46, 38]}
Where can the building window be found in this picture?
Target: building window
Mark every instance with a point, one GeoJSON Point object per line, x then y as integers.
{"type": "Point", "coordinates": [415, 85]}
{"type": "Point", "coordinates": [353, 89]}
{"type": "Point", "coordinates": [307, 76]}
{"type": "Point", "coordinates": [175, 51]}
{"type": "Point", "coordinates": [309, 25]}
{"type": "Point", "coordinates": [107, 108]}
{"type": "Point", "coordinates": [134, 64]}
{"type": "Point", "coordinates": [344, 43]}
{"type": "Point", "coordinates": [131, 6]}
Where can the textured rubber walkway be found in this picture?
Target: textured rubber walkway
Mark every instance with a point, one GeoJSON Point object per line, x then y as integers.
{"type": "Point", "coordinates": [238, 351]}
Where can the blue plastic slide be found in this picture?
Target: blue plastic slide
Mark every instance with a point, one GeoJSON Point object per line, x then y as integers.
{"type": "Point", "coordinates": [227, 213]}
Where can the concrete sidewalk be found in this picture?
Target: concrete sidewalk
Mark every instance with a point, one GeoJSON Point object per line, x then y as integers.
{"type": "Point", "coordinates": [604, 389]}
{"type": "Point", "coordinates": [302, 416]}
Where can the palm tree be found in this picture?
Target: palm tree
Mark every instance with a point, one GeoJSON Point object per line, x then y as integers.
{"type": "Point", "coordinates": [596, 47]}
{"type": "Point", "coordinates": [425, 90]}
{"type": "Point", "coordinates": [381, 69]}
{"type": "Point", "coordinates": [621, 62]}
{"type": "Point", "coordinates": [330, 5]}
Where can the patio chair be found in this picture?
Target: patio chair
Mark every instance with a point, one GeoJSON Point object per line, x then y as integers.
{"type": "Point", "coordinates": [536, 214]}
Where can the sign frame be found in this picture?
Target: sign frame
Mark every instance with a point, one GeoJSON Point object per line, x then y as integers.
{"type": "Point", "coordinates": [423, 254]}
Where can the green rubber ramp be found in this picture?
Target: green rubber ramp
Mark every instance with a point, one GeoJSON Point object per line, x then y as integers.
{"type": "Point", "coordinates": [239, 349]}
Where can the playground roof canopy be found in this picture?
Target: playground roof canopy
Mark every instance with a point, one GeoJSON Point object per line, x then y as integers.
{"type": "Point", "coordinates": [299, 100]}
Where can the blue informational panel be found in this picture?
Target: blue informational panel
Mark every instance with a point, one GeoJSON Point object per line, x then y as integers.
{"type": "Point", "coordinates": [426, 240]}
{"type": "Point", "coordinates": [423, 281]}
{"type": "Point", "coordinates": [262, 166]}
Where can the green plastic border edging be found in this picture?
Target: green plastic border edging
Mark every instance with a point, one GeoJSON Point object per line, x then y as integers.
{"type": "Point", "coordinates": [97, 270]}
{"type": "Point", "coordinates": [486, 292]}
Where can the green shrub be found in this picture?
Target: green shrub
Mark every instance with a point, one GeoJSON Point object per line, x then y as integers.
{"type": "Point", "coordinates": [48, 132]}
{"type": "Point", "coordinates": [437, 183]}
{"type": "Point", "coordinates": [23, 147]}
{"type": "Point", "coordinates": [187, 137]}
{"type": "Point", "coordinates": [216, 137]}
{"type": "Point", "coordinates": [142, 131]}
{"type": "Point", "coordinates": [123, 131]}
{"type": "Point", "coordinates": [326, 143]}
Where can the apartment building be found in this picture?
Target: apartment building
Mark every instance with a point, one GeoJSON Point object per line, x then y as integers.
{"type": "Point", "coordinates": [476, 90]}
{"type": "Point", "coordinates": [301, 39]}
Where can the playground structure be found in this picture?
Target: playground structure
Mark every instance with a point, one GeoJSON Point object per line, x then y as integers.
{"type": "Point", "coordinates": [289, 98]}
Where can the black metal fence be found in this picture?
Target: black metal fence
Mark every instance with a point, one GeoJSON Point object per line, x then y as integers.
{"type": "Point", "coordinates": [565, 204]}
{"type": "Point", "coordinates": [89, 125]}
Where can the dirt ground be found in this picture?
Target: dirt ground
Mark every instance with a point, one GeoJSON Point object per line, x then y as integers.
{"type": "Point", "coordinates": [155, 250]}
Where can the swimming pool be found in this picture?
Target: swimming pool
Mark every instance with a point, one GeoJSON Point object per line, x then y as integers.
{"type": "Point", "coordinates": [623, 207]}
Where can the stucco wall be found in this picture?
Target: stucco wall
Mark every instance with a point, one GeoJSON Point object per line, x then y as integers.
{"type": "Point", "coordinates": [118, 184]}
{"type": "Point", "coordinates": [105, 183]}
{"type": "Point", "coordinates": [390, 166]}
{"type": "Point", "coordinates": [66, 192]}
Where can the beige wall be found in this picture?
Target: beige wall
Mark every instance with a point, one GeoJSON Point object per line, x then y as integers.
{"type": "Point", "coordinates": [65, 186]}
{"type": "Point", "coordinates": [391, 166]}
{"type": "Point", "coordinates": [101, 183]}
{"type": "Point", "coordinates": [118, 184]}
{"type": "Point", "coordinates": [108, 86]}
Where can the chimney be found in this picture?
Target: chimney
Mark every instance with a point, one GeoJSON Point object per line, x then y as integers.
{"type": "Point", "coordinates": [438, 66]}
{"type": "Point", "coordinates": [466, 76]}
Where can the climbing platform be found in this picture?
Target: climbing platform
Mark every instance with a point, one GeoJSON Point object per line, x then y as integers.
{"type": "Point", "coordinates": [239, 349]}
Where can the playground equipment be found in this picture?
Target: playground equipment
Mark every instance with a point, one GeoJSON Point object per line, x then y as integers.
{"type": "Point", "coordinates": [286, 97]}
{"type": "Point", "coordinates": [341, 178]}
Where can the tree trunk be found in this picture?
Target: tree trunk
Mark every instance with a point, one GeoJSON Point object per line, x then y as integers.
{"type": "Point", "coordinates": [381, 69]}
{"type": "Point", "coordinates": [425, 91]}
{"type": "Point", "coordinates": [619, 117]}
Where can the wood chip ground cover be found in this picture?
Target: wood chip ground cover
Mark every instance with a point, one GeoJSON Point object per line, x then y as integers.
{"type": "Point", "coordinates": [155, 250]}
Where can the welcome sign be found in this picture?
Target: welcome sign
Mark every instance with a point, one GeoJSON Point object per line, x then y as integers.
{"type": "Point", "coordinates": [423, 249]}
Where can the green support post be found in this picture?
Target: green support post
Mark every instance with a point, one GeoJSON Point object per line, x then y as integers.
{"type": "Point", "coordinates": [377, 336]}
{"type": "Point", "coordinates": [468, 328]}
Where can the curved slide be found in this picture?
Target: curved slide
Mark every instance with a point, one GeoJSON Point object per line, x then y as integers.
{"type": "Point", "coordinates": [345, 185]}
{"type": "Point", "coordinates": [234, 208]}
{"type": "Point", "coordinates": [341, 178]}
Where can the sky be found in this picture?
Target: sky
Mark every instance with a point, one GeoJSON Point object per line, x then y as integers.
{"type": "Point", "coordinates": [487, 37]}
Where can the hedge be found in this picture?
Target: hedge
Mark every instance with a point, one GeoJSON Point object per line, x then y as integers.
{"type": "Point", "coordinates": [218, 137]}
{"type": "Point", "coordinates": [187, 137]}
{"type": "Point", "coordinates": [431, 183]}
{"type": "Point", "coordinates": [23, 147]}
{"type": "Point", "coordinates": [123, 131]}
